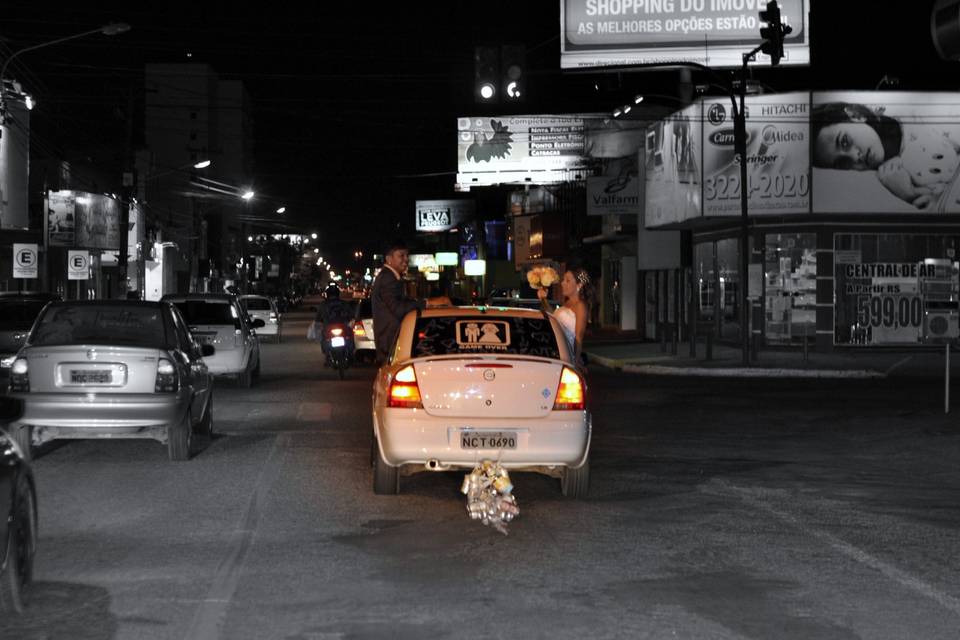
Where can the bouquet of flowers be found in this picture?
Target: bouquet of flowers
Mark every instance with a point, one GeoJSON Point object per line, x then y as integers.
{"type": "Point", "coordinates": [542, 277]}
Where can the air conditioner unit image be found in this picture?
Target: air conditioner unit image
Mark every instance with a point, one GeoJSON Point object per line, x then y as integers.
{"type": "Point", "coordinates": [941, 325]}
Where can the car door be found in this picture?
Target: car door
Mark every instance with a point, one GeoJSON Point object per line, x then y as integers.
{"type": "Point", "coordinates": [250, 342]}
{"type": "Point", "coordinates": [194, 369]}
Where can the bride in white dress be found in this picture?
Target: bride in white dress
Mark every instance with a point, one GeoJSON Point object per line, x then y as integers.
{"type": "Point", "coordinates": [575, 312]}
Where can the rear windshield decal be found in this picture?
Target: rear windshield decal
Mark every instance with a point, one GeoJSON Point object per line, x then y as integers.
{"type": "Point", "coordinates": [488, 335]}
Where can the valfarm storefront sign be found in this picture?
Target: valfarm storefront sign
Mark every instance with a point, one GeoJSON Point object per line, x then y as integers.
{"type": "Point", "coordinates": [443, 215]}
{"type": "Point", "coordinates": [598, 33]}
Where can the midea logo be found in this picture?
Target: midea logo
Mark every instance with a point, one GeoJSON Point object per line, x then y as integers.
{"type": "Point", "coordinates": [771, 135]}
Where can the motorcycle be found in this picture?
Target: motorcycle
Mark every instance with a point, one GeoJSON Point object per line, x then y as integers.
{"type": "Point", "coordinates": [338, 344]}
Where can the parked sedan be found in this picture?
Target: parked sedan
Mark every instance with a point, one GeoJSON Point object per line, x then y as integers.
{"type": "Point", "coordinates": [364, 346]}
{"type": "Point", "coordinates": [265, 309]}
{"type": "Point", "coordinates": [218, 319]}
{"type": "Point", "coordinates": [470, 383]}
{"type": "Point", "coordinates": [112, 369]}
{"type": "Point", "coordinates": [18, 518]}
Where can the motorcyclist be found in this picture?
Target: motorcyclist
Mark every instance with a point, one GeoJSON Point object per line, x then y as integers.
{"type": "Point", "coordinates": [333, 310]}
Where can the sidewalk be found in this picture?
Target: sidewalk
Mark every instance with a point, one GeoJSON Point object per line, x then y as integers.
{"type": "Point", "coordinates": [634, 356]}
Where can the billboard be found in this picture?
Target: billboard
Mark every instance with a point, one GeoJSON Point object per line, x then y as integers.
{"type": "Point", "coordinates": [673, 155]}
{"type": "Point", "coordinates": [535, 149]}
{"type": "Point", "coordinates": [716, 33]}
{"type": "Point", "coordinates": [81, 219]}
{"type": "Point", "coordinates": [885, 152]}
{"type": "Point", "coordinates": [14, 164]}
{"type": "Point", "coordinates": [443, 215]}
{"type": "Point", "coordinates": [778, 155]}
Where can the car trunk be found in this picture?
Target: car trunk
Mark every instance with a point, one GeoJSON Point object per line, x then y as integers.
{"type": "Point", "coordinates": [220, 336]}
{"type": "Point", "coordinates": [81, 368]}
{"type": "Point", "coordinates": [500, 387]}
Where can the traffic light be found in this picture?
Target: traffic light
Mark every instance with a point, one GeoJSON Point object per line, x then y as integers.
{"type": "Point", "coordinates": [512, 65]}
{"type": "Point", "coordinates": [774, 33]}
{"type": "Point", "coordinates": [486, 66]}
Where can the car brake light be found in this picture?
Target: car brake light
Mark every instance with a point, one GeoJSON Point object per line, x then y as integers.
{"type": "Point", "coordinates": [20, 375]}
{"type": "Point", "coordinates": [404, 392]}
{"type": "Point", "coordinates": [570, 392]}
{"type": "Point", "coordinates": [358, 329]}
{"type": "Point", "coordinates": [167, 379]}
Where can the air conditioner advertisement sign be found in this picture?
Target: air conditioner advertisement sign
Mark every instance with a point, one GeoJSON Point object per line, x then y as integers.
{"type": "Point", "coordinates": [716, 33]}
{"type": "Point", "coordinates": [537, 149]}
{"type": "Point", "coordinates": [81, 219]}
{"type": "Point", "coordinates": [673, 160]}
{"type": "Point", "coordinates": [778, 156]}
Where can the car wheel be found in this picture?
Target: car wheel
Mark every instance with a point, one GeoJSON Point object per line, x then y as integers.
{"type": "Point", "coordinates": [180, 439]}
{"type": "Point", "coordinates": [386, 479]}
{"type": "Point", "coordinates": [23, 436]}
{"type": "Point", "coordinates": [576, 482]}
{"type": "Point", "coordinates": [205, 427]}
{"type": "Point", "coordinates": [21, 547]}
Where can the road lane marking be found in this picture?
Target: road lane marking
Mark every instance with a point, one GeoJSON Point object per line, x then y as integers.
{"type": "Point", "coordinates": [211, 615]}
{"type": "Point", "coordinates": [753, 497]}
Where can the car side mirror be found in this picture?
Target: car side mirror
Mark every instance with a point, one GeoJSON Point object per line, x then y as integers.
{"type": "Point", "coordinates": [257, 323]}
{"type": "Point", "coordinates": [207, 350]}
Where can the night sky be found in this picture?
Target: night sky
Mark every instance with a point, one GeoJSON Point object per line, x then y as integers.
{"type": "Point", "coordinates": [355, 104]}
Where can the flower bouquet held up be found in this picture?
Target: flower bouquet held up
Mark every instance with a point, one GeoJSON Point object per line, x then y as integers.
{"type": "Point", "coordinates": [542, 277]}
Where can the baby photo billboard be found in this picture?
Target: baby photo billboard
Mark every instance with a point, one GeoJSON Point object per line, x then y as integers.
{"type": "Point", "coordinates": [885, 152]}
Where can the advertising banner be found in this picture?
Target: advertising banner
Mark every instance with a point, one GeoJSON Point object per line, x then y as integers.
{"type": "Point", "coordinates": [778, 155]}
{"type": "Point", "coordinates": [80, 219]}
{"type": "Point", "coordinates": [25, 261]}
{"type": "Point", "coordinates": [443, 215]}
{"type": "Point", "coordinates": [885, 152]}
{"type": "Point", "coordinates": [673, 154]}
{"type": "Point", "coordinates": [78, 265]}
{"type": "Point", "coordinates": [598, 33]}
{"type": "Point", "coordinates": [613, 195]}
{"type": "Point", "coordinates": [537, 149]}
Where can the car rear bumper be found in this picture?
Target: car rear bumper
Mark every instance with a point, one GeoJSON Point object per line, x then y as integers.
{"type": "Point", "coordinates": [227, 362]}
{"type": "Point", "coordinates": [82, 415]}
{"type": "Point", "coordinates": [269, 329]}
{"type": "Point", "coordinates": [364, 344]}
{"type": "Point", "coordinates": [408, 437]}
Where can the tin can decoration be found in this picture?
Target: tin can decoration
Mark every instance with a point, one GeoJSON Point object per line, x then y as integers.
{"type": "Point", "coordinates": [490, 495]}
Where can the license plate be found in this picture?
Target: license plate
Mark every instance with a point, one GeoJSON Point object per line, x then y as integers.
{"type": "Point", "coordinates": [90, 377]}
{"type": "Point", "coordinates": [488, 440]}
{"type": "Point", "coordinates": [338, 341]}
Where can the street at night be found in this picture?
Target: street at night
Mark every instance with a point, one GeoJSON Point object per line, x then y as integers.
{"type": "Point", "coordinates": [765, 508]}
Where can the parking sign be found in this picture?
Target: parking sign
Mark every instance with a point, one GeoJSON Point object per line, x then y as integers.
{"type": "Point", "coordinates": [78, 265]}
{"type": "Point", "coordinates": [25, 262]}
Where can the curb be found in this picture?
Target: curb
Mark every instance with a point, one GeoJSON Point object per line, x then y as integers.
{"type": "Point", "coordinates": [730, 372]}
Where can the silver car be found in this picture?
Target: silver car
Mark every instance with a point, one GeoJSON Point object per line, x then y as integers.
{"type": "Point", "coordinates": [112, 369]}
{"type": "Point", "coordinates": [218, 319]}
{"type": "Point", "coordinates": [263, 308]}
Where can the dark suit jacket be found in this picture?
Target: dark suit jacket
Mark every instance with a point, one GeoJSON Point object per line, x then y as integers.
{"type": "Point", "coordinates": [390, 304]}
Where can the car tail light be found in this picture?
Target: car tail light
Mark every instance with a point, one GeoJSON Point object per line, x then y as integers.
{"type": "Point", "coordinates": [20, 375]}
{"type": "Point", "coordinates": [570, 395]}
{"type": "Point", "coordinates": [358, 329]}
{"type": "Point", "coordinates": [167, 379]}
{"type": "Point", "coordinates": [404, 392]}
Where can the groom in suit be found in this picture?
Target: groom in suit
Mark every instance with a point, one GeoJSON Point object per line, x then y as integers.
{"type": "Point", "coordinates": [390, 302]}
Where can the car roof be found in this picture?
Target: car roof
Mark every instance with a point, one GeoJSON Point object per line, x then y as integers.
{"type": "Point", "coordinates": [107, 303]}
{"type": "Point", "coordinates": [496, 312]}
{"type": "Point", "coordinates": [254, 295]}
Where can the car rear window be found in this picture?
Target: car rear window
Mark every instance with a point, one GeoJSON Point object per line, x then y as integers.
{"type": "Point", "coordinates": [100, 324]}
{"type": "Point", "coordinates": [256, 304]}
{"type": "Point", "coordinates": [209, 312]}
{"type": "Point", "coordinates": [451, 335]}
{"type": "Point", "coordinates": [19, 314]}
{"type": "Point", "coordinates": [365, 310]}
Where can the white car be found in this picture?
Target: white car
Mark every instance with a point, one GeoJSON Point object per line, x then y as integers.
{"type": "Point", "coordinates": [218, 319]}
{"type": "Point", "coordinates": [263, 308]}
{"type": "Point", "coordinates": [465, 384]}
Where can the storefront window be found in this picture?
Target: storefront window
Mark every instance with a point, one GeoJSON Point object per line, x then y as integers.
{"type": "Point", "coordinates": [894, 289]}
{"type": "Point", "coordinates": [717, 279]}
{"type": "Point", "coordinates": [790, 287]}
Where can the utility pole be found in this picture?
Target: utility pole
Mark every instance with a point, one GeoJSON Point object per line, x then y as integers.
{"type": "Point", "coordinates": [126, 199]}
